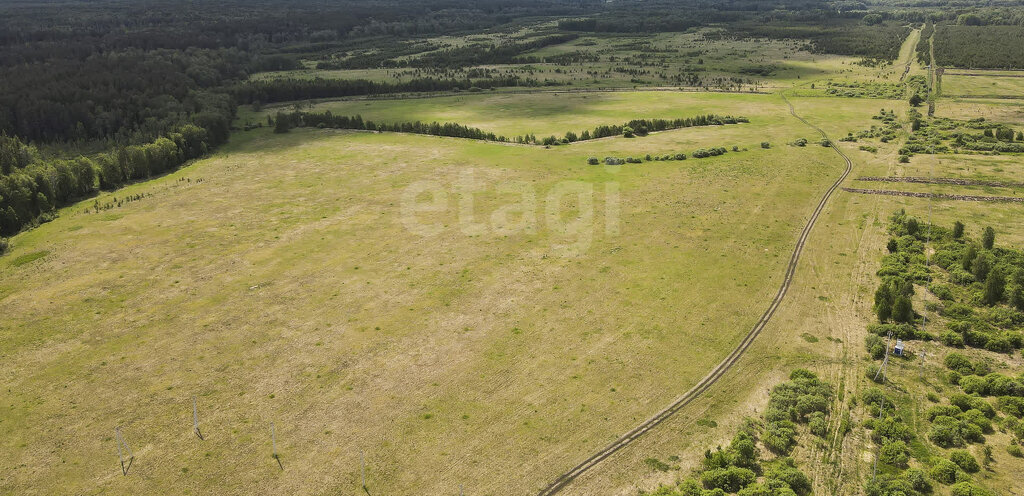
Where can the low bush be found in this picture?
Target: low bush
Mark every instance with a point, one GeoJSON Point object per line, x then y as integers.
{"type": "Point", "coordinates": [944, 471]}
{"type": "Point", "coordinates": [964, 460]}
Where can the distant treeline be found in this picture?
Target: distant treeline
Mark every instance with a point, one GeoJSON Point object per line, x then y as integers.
{"type": "Point", "coordinates": [463, 56]}
{"type": "Point", "coordinates": [641, 127]}
{"type": "Point", "coordinates": [840, 36]}
{"type": "Point", "coordinates": [283, 90]}
{"type": "Point", "coordinates": [284, 121]}
{"type": "Point", "coordinates": [31, 187]}
{"type": "Point", "coordinates": [980, 47]}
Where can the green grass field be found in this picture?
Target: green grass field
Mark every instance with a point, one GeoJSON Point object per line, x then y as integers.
{"type": "Point", "coordinates": [460, 313]}
{"type": "Point", "coordinates": [984, 86]}
{"type": "Point", "coordinates": [283, 281]}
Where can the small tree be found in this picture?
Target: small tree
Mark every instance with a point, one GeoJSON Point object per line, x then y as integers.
{"type": "Point", "coordinates": [988, 238]}
{"type": "Point", "coordinates": [982, 266]}
{"type": "Point", "coordinates": [903, 310]}
{"type": "Point", "coordinates": [883, 303]}
{"type": "Point", "coordinates": [967, 260]}
{"type": "Point", "coordinates": [895, 453]}
{"type": "Point", "coordinates": [892, 245]}
{"type": "Point", "coordinates": [627, 132]}
{"type": "Point", "coordinates": [995, 285]}
{"type": "Point", "coordinates": [958, 230]}
{"type": "Point", "coordinates": [916, 100]}
{"type": "Point", "coordinates": [1017, 296]}
{"type": "Point", "coordinates": [282, 124]}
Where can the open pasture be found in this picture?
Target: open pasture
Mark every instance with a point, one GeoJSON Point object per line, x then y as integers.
{"type": "Point", "coordinates": [310, 280]}
{"type": "Point", "coordinates": [984, 84]}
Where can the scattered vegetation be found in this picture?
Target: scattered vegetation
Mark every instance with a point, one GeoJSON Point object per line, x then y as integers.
{"type": "Point", "coordinates": [739, 468]}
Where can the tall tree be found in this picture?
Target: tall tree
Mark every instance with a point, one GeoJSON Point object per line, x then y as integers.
{"type": "Point", "coordinates": [988, 238]}
{"type": "Point", "coordinates": [995, 285]}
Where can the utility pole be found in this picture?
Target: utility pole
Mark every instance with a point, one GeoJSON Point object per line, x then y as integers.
{"type": "Point", "coordinates": [885, 361]}
{"type": "Point", "coordinates": [121, 444]}
{"type": "Point", "coordinates": [195, 419]}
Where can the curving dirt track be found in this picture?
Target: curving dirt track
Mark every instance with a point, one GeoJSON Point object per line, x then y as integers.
{"type": "Point", "coordinates": [712, 377]}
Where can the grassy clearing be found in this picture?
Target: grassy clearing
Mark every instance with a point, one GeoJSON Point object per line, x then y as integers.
{"type": "Point", "coordinates": [285, 287]}
{"type": "Point", "coordinates": [555, 113]}
{"type": "Point", "coordinates": [983, 86]}
{"type": "Point", "coordinates": [1005, 111]}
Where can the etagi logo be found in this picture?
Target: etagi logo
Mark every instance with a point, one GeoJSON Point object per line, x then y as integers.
{"type": "Point", "coordinates": [563, 212]}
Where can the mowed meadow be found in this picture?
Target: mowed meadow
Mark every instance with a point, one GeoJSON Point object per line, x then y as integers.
{"type": "Point", "coordinates": [461, 313]}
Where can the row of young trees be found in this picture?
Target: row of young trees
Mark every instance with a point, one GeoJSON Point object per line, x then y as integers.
{"type": "Point", "coordinates": [635, 127]}
{"type": "Point", "coordinates": [283, 122]}
{"type": "Point", "coordinates": [31, 188]}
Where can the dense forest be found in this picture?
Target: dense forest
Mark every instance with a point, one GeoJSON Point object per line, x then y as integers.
{"type": "Point", "coordinates": [980, 47]}
{"type": "Point", "coordinates": [94, 95]}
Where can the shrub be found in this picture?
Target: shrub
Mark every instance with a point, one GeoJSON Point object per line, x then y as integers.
{"type": "Point", "coordinates": [1011, 405]}
{"type": "Point", "coordinates": [892, 429]}
{"type": "Point", "coordinates": [968, 489]}
{"type": "Point", "coordinates": [593, 161]}
{"type": "Point", "coordinates": [944, 471]}
{"type": "Point", "coordinates": [778, 437]}
{"type": "Point", "coordinates": [790, 475]}
{"type": "Point", "coordinates": [964, 460]}
{"type": "Point", "coordinates": [4, 245]}
{"type": "Point", "coordinates": [946, 432]}
{"type": "Point", "coordinates": [973, 384]}
{"type": "Point", "coordinates": [1015, 451]}
{"type": "Point", "coordinates": [959, 363]}
{"type": "Point", "coordinates": [950, 338]}
{"type": "Point", "coordinates": [818, 424]}
{"type": "Point", "coordinates": [730, 479]}
{"type": "Point", "coordinates": [765, 144]}
{"type": "Point", "coordinates": [875, 345]}
{"type": "Point", "coordinates": [942, 292]}
{"type": "Point", "coordinates": [895, 453]}
{"type": "Point", "coordinates": [873, 374]}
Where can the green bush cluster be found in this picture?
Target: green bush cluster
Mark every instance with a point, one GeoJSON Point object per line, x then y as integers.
{"type": "Point", "coordinates": [793, 402]}
{"type": "Point", "coordinates": [980, 285]}
{"type": "Point", "coordinates": [737, 467]}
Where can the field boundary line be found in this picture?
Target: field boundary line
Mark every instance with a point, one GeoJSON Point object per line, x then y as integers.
{"type": "Point", "coordinates": [941, 196]}
{"type": "Point", "coordinates": [939, 180]}
{"type": "Point", "coordinates": [716, 373]}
